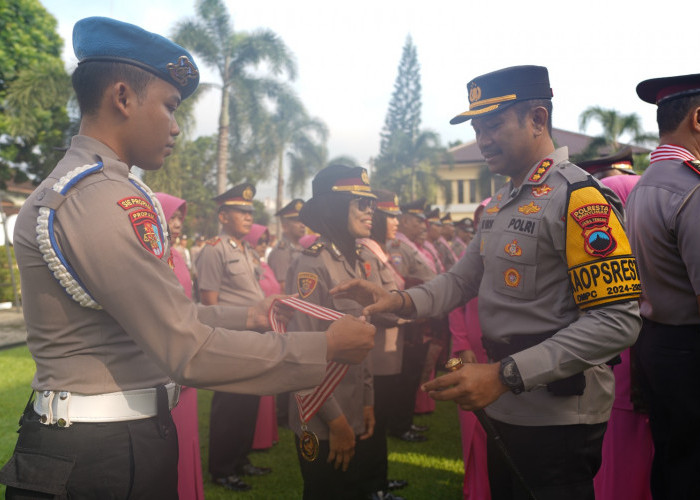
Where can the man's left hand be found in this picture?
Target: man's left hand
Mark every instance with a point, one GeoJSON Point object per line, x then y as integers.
{"type": "Point", "coordinates": [258, 319]}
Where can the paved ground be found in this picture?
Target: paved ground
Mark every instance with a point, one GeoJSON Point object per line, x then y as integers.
{"type": "Point", "coordinates": [12, 331]}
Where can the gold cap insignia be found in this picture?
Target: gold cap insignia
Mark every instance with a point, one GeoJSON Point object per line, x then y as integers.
{"type": "Point", "coordinates": [182, 70]}
{"type": "Point", "coordinates": [248, 194]}
{"type": "Point", "coordinates": [396, 200]}
{"type": "Point", "coordinates": [298, 205]}
{"type": "Point", "coordinates": [474, 92]}
{"type": "Point", "coordinates": [365, 177]}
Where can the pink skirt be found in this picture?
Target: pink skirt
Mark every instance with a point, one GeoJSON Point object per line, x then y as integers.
{"type": "Point", "coordinates": [190, 485]}
{"type": "Point", "coordinates": [266, 425]}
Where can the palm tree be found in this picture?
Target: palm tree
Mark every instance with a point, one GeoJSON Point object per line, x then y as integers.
{"type": "Point", "coordinates": [615, 125]}
{"type": "Point", "coordinates": [236, 56]}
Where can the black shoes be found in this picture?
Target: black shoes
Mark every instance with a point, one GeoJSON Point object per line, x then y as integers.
{"type": "Point", "coordinates": [419, 428]}
{"type": "Point", "coordinates": [412, 437]}
{"type": "Point", "coordinates": [251, 470]}
{"type": "Point", "coordinates": [397, 484]}
{"type": "Point", "coordinates": [233, 483]}
{"type": "Point", "coordinates": [383, 495]}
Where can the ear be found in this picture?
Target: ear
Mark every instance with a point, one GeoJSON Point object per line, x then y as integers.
{"type": "Point", "coordinates": [121, 97]}
{"type": "Point", "coordinates": [223, 216]}
{"type": "Point", "coordinates": [539, 116]}
{"type": "Point", "coordinates": [695, 120]}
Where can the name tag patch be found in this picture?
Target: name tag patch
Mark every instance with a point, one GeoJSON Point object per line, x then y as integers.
{"type": "Point", "coordinates": [522, 225]}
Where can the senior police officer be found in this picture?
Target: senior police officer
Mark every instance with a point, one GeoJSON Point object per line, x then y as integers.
{"type": "Point", "coordinates": [557, 291]}
{"type": "Point", "coordinates": [108, 324]}
{"type": "Point", "coordinates": [663, 211]}
{"type": "Point", "coordinates": [226, 270]}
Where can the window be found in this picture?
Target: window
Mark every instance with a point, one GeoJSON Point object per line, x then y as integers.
{"type": "Point", "coordinates": [460, 191]}
{"type": "Point", "coordinates": [473, 191]}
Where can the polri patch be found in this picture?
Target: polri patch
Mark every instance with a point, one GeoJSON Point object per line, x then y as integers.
{"type": "Point", "coordinates": [306, 284]}
{"type": "Point", "coordinates": [602, 269]}
{"type": "Point", "coordinates": [147, 230]}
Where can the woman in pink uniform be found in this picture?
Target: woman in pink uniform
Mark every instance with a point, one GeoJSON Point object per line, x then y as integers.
{"type": "Point", "coordinates": [190, 485]}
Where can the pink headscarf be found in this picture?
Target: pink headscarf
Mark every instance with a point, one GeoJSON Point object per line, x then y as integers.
{"type": "Point", "coordinates": [170, 205]}
{"type": "Point", "coordinates": [256, 231]}
{"type": "Point", "coordinates": [621, 184]}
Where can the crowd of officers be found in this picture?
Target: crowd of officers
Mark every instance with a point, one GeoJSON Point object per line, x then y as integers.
{"type": "Point", "coordinates": [559, 287]}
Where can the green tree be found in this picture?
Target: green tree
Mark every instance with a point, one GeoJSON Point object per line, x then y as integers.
{"type": "Point", "coordinates": [615, 125]}
{"type": "Point", "coordinates": [238, 58]}
{"type": "Point", "coordinates": [404, 114]}
{"type": "Point", "coordinates": [298, 137]}
{"type": "Point", "coordinates": [34, 90]}
{"type": "Point", "coordinates": [408, 156]}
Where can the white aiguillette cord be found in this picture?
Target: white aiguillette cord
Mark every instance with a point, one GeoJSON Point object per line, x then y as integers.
{"type": "Point", "coordinates": [309, 402]}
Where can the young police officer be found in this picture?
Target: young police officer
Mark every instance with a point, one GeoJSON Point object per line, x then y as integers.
{"type": "Point", "coordinates": [108, 324]}
{"type": "Point", "coordinates": [557, 288]}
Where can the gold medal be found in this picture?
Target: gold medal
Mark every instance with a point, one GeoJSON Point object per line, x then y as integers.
{"type": "Point", "coordinates": [454, 364]}
{"type": "Point", "coordinates": [308, 444]}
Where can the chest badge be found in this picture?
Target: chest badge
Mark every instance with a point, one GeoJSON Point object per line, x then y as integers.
{"type": "Point", "coordinates": [529, 209]}
{"type": "Point", "coordinates": [306, 284]}
{"type": "Point", "coordinates": [511, 277]}
{"type": "Point", "coordinates": [513, 249]}
{"type": "Point", "coordinates": [539, 191]}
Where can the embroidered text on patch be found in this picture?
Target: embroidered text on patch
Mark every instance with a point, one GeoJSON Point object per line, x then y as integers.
{"type": "Point", "coordinates": [306, 284]}
{"type": "Point", "coordinates": [134, 202]}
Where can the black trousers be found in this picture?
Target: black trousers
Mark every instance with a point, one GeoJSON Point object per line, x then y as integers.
{"type": "Point", "coordinates": [669, 358]}
{"type": "Point", "coordinates": [323, 482]}
{"type": "Point", "coordinates": [231, 432]}
{"type": "Point", "coordinates": [121, 460]}
{"type": "Point", "coordinates": [385, 387]}
{"type": "Point", "coordinates": [558, 462]}
{"type": "Point", "coordinates": [414, 354]}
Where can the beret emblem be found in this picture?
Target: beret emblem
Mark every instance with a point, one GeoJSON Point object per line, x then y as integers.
{"type": "Point", "coordinates": [183, 70]}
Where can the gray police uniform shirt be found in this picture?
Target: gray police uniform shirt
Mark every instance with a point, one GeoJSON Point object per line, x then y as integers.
{"type": "Point", "coordinates": [316, 271]}
{"type": "Point", "coordinates": [408, 262]}
{"type": "Point", "coordinates": [281, 257]}
{"type": "Point", "coordinates": [231, 270]}
{"type": "Point", "coordinates": [663, 211]}
{"type": "Point", "coordinates": [387, 353]}
{"type": "Point", "coordinates": [537, 270]}
{"type": "Point", "coordinates": [148, 331]}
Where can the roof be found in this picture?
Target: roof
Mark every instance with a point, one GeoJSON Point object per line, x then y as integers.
{"type": "Point", "coordinates": [576, 142]}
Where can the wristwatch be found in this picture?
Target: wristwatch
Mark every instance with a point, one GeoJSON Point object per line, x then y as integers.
{"type": "Point", "coordinates": [510, 375]}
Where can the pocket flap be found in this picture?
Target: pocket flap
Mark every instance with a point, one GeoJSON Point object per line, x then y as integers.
{"type": "Point", "coordinates": [32, 471]}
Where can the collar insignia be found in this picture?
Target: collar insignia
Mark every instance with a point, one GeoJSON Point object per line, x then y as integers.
{"type": "Point", "coordinates": [693, 165]}
{"type": "Point", "coordinates": [541, 170]}
{"type": "Point", "coordinates": [493, 210]}
{"type": "Point", "coordinates": [541, 190]}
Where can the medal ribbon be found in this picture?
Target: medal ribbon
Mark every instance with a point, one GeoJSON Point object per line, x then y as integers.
{"type": "Point", "coordinates": [309, 402]}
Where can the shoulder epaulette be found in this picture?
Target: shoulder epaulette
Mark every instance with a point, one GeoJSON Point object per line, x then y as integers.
{"type": "Point", "coordinates": [314, 249]}
{"type": "Point", "coordinates": [572, 175]}
{"type": "Point", "coordinates": [694, 165]}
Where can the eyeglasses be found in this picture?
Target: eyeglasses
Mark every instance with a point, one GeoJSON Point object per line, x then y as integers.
{"type": "Point", "coordinates": [363, 203]}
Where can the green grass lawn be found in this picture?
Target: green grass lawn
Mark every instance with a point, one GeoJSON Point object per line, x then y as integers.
{"type": "Point", "coordinates": [434, 468]}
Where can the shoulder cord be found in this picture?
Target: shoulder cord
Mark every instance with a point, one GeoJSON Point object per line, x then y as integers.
{"type": "Point", "coordinates": [49, 248]}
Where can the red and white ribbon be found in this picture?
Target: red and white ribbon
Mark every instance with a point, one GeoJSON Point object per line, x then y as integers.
{"type": "Point", "coordinates": [310, 402]}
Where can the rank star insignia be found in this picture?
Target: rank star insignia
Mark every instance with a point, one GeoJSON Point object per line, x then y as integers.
{"type": "Point", "coordinates": [541, 170]}
{"type": "Point", "coordinates": [539, 191]}
{"type": "Point", "coordinates": [306, 284]}
{"type": "Point", "coordinates": [530, 208]}
{"type": "Point", "coordinates": [513, 249]}
{"type": "Point", "coordinates": [182, 70]}
{"type": "Point", "coordinates": [511, 277]}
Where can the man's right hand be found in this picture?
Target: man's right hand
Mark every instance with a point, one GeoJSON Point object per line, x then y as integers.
{"type": "Point", "coordinates": [372, 296]}
{"type": "Point", "coordinates": [349, 340]}
{"type": "Point", "coordinates": [341, 441]}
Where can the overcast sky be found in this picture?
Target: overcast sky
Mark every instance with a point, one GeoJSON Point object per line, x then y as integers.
{"type": "Point", "coordinates": [348, 53]}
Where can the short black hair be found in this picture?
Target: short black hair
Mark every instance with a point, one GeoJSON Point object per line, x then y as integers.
{"type": "Point", "coordinates": [523, 108]}
{"type": "Point", "coordinates": [91, 79]}
{"type": "Point", "coordinates": [670, 114]}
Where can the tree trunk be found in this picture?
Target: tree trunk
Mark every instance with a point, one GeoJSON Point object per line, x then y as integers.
{"type": "Point", "coordinates": [280, 186]}
{"type": "Point", "coordinates": [222, 146]}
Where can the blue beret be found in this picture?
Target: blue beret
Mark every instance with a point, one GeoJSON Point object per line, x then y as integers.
{"type": "Point", "coordinates": [105, 39]}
